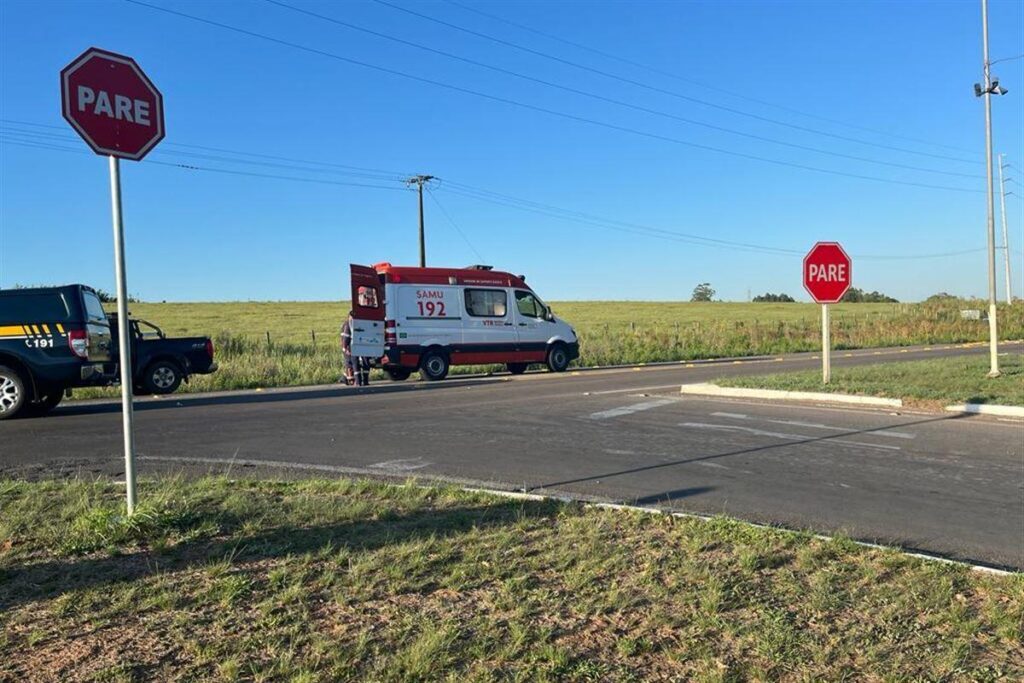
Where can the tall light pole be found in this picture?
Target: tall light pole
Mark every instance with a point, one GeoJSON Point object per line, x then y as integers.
{"type": "Point", "coordinates": [419, 182]}
{"type": "Point", "coordinates": [990, 86]}
{"type": "Point", "coordinates": [1006, 234]}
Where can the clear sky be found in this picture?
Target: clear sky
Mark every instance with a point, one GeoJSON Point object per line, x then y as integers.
{"type": "Point", "coordinates": [807, 84]}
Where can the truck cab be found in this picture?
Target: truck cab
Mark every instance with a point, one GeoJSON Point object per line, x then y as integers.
{"type": "Point", "coordinates": [161, 363]}
{"type": "Point", "coordinates": [52, 339]}
{"type": "Point", "coordinates": [429, 319]}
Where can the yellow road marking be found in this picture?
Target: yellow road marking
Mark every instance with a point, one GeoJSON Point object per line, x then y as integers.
{"type": "Point", "coordinates": [690, 365]}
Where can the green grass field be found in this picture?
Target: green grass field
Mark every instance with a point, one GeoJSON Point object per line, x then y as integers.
{"type": "Point", "coordinates": [352, 580]}
{"type": "Point", "coordinates": [940, 381]}
{"type": "Point", "coordinates": [303, 336]}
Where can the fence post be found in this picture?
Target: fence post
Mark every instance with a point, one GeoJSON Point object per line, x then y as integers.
{"type": "Point", "coordinates": [312, 333]}
{"type": "Point", "coordinates": [268, 340]}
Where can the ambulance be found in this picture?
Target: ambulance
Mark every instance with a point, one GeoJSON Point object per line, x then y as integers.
{"type": "Point", "coordinates": [429, 319]}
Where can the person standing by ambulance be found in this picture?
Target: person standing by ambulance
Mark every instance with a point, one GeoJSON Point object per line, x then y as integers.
{"type": "Point", "coordinates": [357, 368]}
{"type": "Point", "coordinates": [349, 377]}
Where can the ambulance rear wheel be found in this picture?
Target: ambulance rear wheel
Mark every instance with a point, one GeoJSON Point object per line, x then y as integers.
{"type": "Point", "coordinates": [398, 374]}
{"type": "Point", "coordinates": [517, 368]}
{"type": "Point", "coordinates": [434, 366]}
{"type": "Point", "coordinates": [558, 358]}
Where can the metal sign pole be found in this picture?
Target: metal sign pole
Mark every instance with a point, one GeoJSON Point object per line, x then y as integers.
{"type": "Point", "coordinates": [123, 342]}
{"type": "Point", "coordinates": [826, 347]}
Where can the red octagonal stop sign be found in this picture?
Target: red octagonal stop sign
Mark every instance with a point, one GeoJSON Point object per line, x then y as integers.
{"type": "Point", "coordinates": [112, 104]}
{"type": "Point", "coordinates": [827, 272]}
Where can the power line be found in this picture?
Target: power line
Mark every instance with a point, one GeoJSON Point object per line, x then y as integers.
{"type": "Point", "coordinates": [545, 110]}
{"type": "Point", "coordinates": [206, 169]}
{"type": "Point", "coordinates": [663, 91]}
{"type": "Point", "coordinates": [510, 201]}
{"type": "Point", "coordinates": [385, 174]}
{"type": "Point", "coordinates": [33, 135]}
{"type": "Point", "coordinates": [611, 100]}
{"type": "Point", "coordinates": [455, 225]}
{"type": "Point", "coordinates": [701, 84]}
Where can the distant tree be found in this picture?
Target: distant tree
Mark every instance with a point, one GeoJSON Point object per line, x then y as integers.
{"type": "Point", "coordinates": [942, 296]}
{"type": "Point", "coordinates": [703, 292]}
{"type": "Point", "coordinates": [774, 298]}
{"type": "Point", "coordinates": [855, 295]}
{"type": "Point", "coordinates": [105, 296]}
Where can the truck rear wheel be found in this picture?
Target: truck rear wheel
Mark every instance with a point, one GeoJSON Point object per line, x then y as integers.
{"type": "Point", "coordinates": [434, 365]}
{"type": "Point", "coordinates": [162, 377]}
{"type": "Point", "coordinates": [398, 374]}
{"type": "Point", "coordinates": [12, 393]}
{"type": "Point", "coordinates": [558, 358]}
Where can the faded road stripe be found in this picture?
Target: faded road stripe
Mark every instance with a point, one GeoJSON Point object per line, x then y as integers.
{"type": "Point", "coordinates": [786, 436]}
{"type": "Point", "coordinates": [627, 410]}
{"type": "Point", "coordinates": [879, 431]}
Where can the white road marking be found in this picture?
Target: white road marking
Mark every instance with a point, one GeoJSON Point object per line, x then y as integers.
{"type": "Point", "coordinates": [635, 390]}
{"type": "Point", "coordinates": [401, 465]}
{"type": "Point", "coordinates": [628, 410]}
{"type": "Point", "coordinates": [815, 425]}
{"type": "Point", "coordinates": [783, 435]}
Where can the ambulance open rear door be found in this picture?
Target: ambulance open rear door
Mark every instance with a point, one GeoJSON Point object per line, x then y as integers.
{"type": "Point", "coordinates": [367, 312]}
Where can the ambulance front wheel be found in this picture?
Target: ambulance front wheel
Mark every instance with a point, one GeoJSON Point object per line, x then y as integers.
{"type": "Point", "coordinates": [434, 365]}
{"type": "Point", "coordinates": [558, 358]}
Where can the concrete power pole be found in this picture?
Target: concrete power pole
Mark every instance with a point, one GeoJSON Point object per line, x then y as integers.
{"type": "Point", "coordinates": [419, 181]}
{"type": "Point", "coordinates": [985, 90]}
{"type": "Point", "coordinates": [1006, 235]}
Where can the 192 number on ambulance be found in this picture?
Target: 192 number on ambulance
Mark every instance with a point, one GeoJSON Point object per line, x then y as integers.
{"type": "Point", "coordinates": [431, 309]}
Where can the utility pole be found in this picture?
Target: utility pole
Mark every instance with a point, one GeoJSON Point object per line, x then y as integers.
{"type": "Point", "coordinates": [1006, 234]}
{"type": "Point", "coordinates": [419, 181]}
{"type": "Point", "coordinates": [990, 86]}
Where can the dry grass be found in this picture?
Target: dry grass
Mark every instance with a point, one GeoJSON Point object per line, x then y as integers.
{"type": "Point", "coordinates": [352, 580]}
{"type": "Point", "coordinates": [303, 344]}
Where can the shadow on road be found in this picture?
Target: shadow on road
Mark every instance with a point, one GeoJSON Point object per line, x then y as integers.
{"type": "Point", "coordinates": [755, 449]}
{"type": "Point", "coordinates": [669, 496]}
{"type": "Point", "coordinates": [51, 578]}
{"type": "Point", "coordinates": [273, 396]}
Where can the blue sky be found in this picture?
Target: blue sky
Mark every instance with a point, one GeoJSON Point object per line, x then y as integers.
{"type": "Point", "coordinates": [899, 73]}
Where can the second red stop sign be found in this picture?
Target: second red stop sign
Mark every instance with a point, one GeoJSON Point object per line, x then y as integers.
{"type": "Point", "coordinates": [828, 272]}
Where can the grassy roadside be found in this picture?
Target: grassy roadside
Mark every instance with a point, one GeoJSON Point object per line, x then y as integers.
{"type": "Point", "coordinates": [354, 580]}
{"type": "Point", "coordinates": [937, 382]}
{"type": "Point", "coordinates": [303, 344]}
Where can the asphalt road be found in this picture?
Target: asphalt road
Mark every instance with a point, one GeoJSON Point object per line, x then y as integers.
{"type": "Point", "coordinates": [938, 483]}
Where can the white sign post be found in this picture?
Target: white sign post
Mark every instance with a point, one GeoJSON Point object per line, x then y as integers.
{"type": "Point", "coordinates": [827, 277]}
{"type": "Point", "coordinates": [118, 111]}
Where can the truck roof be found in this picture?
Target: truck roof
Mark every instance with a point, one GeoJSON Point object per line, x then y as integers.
{"type": "Point", "coordinates": [476, 275]}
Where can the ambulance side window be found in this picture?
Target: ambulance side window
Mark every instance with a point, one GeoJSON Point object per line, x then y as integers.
{"type": "Point", "coordinates": [486, 303]}
{"type": "Point", "coordinates": [528, 305]}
